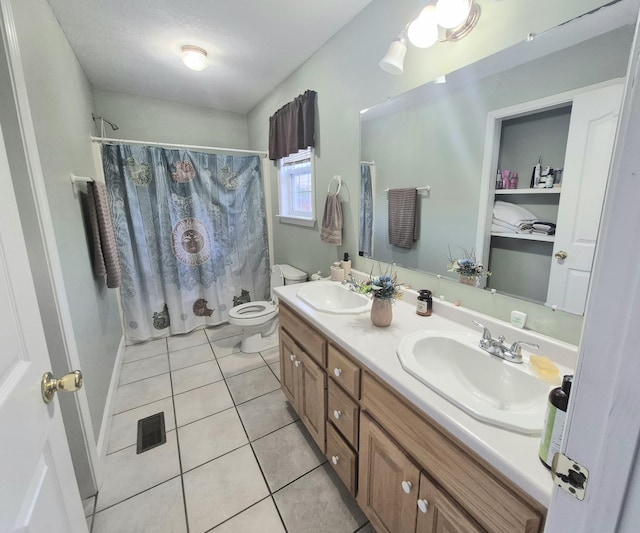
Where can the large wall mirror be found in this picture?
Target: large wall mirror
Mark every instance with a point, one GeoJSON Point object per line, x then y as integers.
{"type": "Point", "coordinates": [438, 136]}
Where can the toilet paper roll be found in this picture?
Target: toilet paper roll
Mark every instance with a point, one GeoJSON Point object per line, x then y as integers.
{"type": "Point", "coordinates": [337, 274]}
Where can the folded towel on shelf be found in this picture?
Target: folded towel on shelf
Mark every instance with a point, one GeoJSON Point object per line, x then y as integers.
{"type": "Point", "coordinates": [544, 227]}
{"type": "Point", "coordinates": [403, 223]}
{"type": "Point", "coordinates": [332, 220]}
{"type": "Point", "coordinates": [513, 214]}
{"type": "Point", "coordinates": [503, 227]}
{"type": "Point", "coordinates": [105, 253]}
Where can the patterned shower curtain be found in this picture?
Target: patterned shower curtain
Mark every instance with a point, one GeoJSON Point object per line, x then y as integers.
{"type": "Point", "coordinates": [191, 232]}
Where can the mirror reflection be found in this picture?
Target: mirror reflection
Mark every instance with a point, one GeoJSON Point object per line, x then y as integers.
{"type": "Point", "coordinates": [533, 103]}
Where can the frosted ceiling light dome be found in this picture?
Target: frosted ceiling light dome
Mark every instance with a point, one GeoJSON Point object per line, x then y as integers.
{"type": "Point", "coordinates": [423, 31]}
{"type": "Point", "coordinates": [194, 57]}
{"type": "Point", "coordinates": [452, 13]}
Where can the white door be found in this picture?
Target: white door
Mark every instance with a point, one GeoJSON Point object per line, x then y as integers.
{"type": "Point", "coordinates": [38, 489]}
{"type": "Point", "coordinates": [594, 118]}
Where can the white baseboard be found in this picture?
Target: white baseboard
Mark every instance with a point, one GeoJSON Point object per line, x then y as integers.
{"type": "Point", "coordinates": [105, 427]}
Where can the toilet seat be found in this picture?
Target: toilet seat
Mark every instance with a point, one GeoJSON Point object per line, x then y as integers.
{"type": "Point", "coordinates": [252, 313]}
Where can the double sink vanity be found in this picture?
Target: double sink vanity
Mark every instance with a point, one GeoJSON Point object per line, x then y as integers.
{"type": "Point", "coordinates": [425, 429]}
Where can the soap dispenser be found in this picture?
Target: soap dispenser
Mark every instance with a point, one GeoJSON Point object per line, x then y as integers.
{"type": "Point", "coordinates": [553, 427]}
{"type": "Point", "coordinates": [346, 265]}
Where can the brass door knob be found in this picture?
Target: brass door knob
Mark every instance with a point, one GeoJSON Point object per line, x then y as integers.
{"type": "Point", "coordinates": [561, 255]}
{"type": "Point", "coordinates": [71, 382]}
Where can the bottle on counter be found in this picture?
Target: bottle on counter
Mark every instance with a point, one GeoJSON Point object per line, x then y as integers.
{"type": "Point", "coordinates": [553, 427]}
{"type": "Point", "coordinates": [425, 302]}
{"type": "Point", "coordinates": [346, 265]}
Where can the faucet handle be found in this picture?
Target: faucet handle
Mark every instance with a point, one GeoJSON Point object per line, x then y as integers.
{"type": "Point", "coordinates": [486, 334]}
{"type": "Point", "coordinates": [515, 347]}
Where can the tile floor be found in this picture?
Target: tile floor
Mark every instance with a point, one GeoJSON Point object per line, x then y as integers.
{"type": "Point", "coordinates": [237, 459]}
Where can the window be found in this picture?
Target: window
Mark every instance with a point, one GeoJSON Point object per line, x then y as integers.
{"type": "Point", "coordinates": [297, 188]}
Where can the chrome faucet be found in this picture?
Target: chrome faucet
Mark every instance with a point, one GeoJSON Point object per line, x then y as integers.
{"type": "Point", "coordinates": [351, 283]}
{"type": "Point", "coordinates": [497, 347]}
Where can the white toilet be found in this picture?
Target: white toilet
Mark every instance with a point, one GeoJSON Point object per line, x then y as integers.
{"type": "Point", "coordinates": [259, 320]}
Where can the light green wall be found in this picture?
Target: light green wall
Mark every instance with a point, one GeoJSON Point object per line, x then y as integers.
{"type": "Point", "coordinates": [61, 103]}
{"type": "Point", "coordinates": [148, 119]}
{"type": "Point", "coordinates": [346, 76]}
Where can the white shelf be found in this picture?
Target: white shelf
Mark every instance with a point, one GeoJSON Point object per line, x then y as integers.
{"type": "Point", "coordinates": [554, 190]}
{"type": "Point", "coordinates": [525, 236]}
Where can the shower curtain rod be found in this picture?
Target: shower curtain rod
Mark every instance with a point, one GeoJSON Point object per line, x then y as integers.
{"type": "Point", "coordinates": [106, 140]}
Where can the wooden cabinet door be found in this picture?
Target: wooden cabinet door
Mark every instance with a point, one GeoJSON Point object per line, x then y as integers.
{"type": "Point", "coordinates": [388, 481]}
{"type": "Point", "coordinates": [312, 384]}
{"type": "Point", "coordinates": [439, 513]}
{"type": "Point", "coordinates": [288, 369]}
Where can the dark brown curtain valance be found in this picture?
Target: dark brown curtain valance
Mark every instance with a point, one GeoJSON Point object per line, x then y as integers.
{"type": "Point", "coordinates": [292, 127]}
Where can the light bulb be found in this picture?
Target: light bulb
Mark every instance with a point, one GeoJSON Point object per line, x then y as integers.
{"type": "Point", "coordinates": [452, 13]}
{"type": "Point", "coordinates": [194, 57]}
{"type": "Point", "coordinates": [423, 31]}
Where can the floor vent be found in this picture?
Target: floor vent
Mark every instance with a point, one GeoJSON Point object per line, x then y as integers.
{"type": "Point", "coordinates": [151, 432]}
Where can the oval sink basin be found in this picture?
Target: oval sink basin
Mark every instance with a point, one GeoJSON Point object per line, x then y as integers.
{"type": "Point", "coordinates": [488, 388]}
{"type": "Point", "coordinates": [332, 297]}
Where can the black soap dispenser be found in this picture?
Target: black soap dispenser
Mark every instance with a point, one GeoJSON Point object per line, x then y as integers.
{"type": "Point", "coordinates": [553, 427]}
{"type": "Point", "coordinates": [425, 302]}
{"type": "Point", "coordinates": [346, 264]}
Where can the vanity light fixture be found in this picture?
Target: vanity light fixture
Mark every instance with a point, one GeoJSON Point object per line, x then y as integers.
{"type": "Point", "coordinates": [446, 20]}
{"type": "Point", "coordinates": [194, 57]}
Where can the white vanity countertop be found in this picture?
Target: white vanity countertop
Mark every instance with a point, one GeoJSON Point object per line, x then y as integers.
{"type": "Point", "coordinates": [513, 454]}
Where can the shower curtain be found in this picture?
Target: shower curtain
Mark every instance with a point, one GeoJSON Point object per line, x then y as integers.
{"type": "Point", "coordinates": [366, 210]}
{"type": "Point", "coordinates": [191, 232]}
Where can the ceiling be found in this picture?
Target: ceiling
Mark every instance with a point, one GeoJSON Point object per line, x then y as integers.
{"type": "Point", "coordinates": [134, 47]}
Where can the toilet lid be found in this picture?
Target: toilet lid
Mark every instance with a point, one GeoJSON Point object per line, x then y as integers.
{"type": "Point", "coordinates": [252, 310]}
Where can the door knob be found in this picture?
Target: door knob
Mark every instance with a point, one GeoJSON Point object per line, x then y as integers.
{"type": "Point", "coordinates": [423, 505]}
{"type": "Point", "coordinates": [337, 372]}
{"type": "Point", "coordinates": [335, 459]}
{"type": "Point", "coordinates": [561, 255]}
{"type": "Point", "coordinates": [337, 414]}
{"type": "Point", "coordinates": [406, 486]}
{"type": "Point", "coordinates": [71, 382]}
{"type": "Point", "coordinates": [297, 363]}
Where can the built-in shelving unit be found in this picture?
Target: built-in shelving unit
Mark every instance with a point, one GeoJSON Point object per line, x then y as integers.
{"type": "Point", "coordinates": [525, 236]}
{"type": "Point", "coordinates": [554, 190]}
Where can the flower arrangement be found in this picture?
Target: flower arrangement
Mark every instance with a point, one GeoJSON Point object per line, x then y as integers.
{"type": "Point", "coordinates": [383, 287]}
{"type": "Point", "coordinates": [467, 266]}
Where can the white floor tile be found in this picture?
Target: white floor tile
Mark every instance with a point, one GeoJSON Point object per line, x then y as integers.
{"type": "Point", "coordinates": [195, 376]}
{"type": "Point", "coordinates": [239, 362]}
{"type": "Point", "coordinates": [220, 332]}
{"type": "Point", "coordinates": [124, 426]}
{"type": "Point", "coordinates": [191, 356]}
{"type": "Point", "coordinates": [202, 402]}
{"type": "Point", "coordinates": [179, 342]}
{"type": "Point", "coordinates": [145, 349]}
{"type": "Point", "coordinates": [222, 488]}
{"type": "Point", "coordinates": [266, 414]}
{"type": "Point", "coordinates": [210, 437]}
{"type": "Point", "coordinates": [144, 368]}
{"type": "Point", "coordinates": [226, 346]}
{"type": "Point", "coordinates": [127, 473]}
{"type": "Point", "coordinates": [261, 518]}
{"type": "Point", "coordinates": [272, 355]}
{"type": "Point", "coordinates": [275, 368]}
{"type": "Point", "coordinates": [252, 384]}
{"type": "Point", "coordinates": [158, 509]}
{"type": "Point", "coordinates": [142, 392]}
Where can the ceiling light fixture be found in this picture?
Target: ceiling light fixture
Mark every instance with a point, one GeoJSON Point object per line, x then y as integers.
{"type": "Point", "coordinates": [446, 20]}
{"type": "Point", "coordinates": [194, 57]}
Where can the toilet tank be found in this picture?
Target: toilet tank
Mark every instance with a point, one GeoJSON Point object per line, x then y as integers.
{"type": "Point", "coordinates": [292, 275]}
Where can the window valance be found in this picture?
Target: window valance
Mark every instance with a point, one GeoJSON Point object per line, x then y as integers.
{"type": "Point", "coordinates": [292, 127]}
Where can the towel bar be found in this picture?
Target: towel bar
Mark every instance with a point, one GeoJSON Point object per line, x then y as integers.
{"type": "Point", "coordinates": [425, 188]}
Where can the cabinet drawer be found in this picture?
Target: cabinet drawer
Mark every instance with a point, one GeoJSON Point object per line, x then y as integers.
{"type": "Point", "coordinates": [343, 371]}
{"type": "Point", "coordinates": [343, 459]}
{"type": "Point", "coordinates": [304, 334]}
{"type": "Point", "coordinates": [495, 503]}
{"type": "Point", "coordinates": [343, 413]}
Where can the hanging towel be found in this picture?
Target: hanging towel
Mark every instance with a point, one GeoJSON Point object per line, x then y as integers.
{"type": "Point", "coordinates": [403, 223]}
{"type": "Point", "coordinates": [105, 252]}
{"type": "Point", "coordinates": [332, 220]}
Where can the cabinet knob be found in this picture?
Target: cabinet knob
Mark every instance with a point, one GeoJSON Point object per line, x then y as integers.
{"type": "Point", "coordinates": [406, 486]}
{"type": "Point", "coordinates": [423, 505]}
{"type": "Point", "coordinates": [337, 414]}
{"type": "Point", "coordinates": [292, 357]}
{"type": "Point", "coordinates": [561, 255]}
{"type": "Point", "coordinates": [297, 363]}
{"type": "Point", "coordinates": [335, 459]}
{"type": "Point", "coordinates": [337, 372]}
